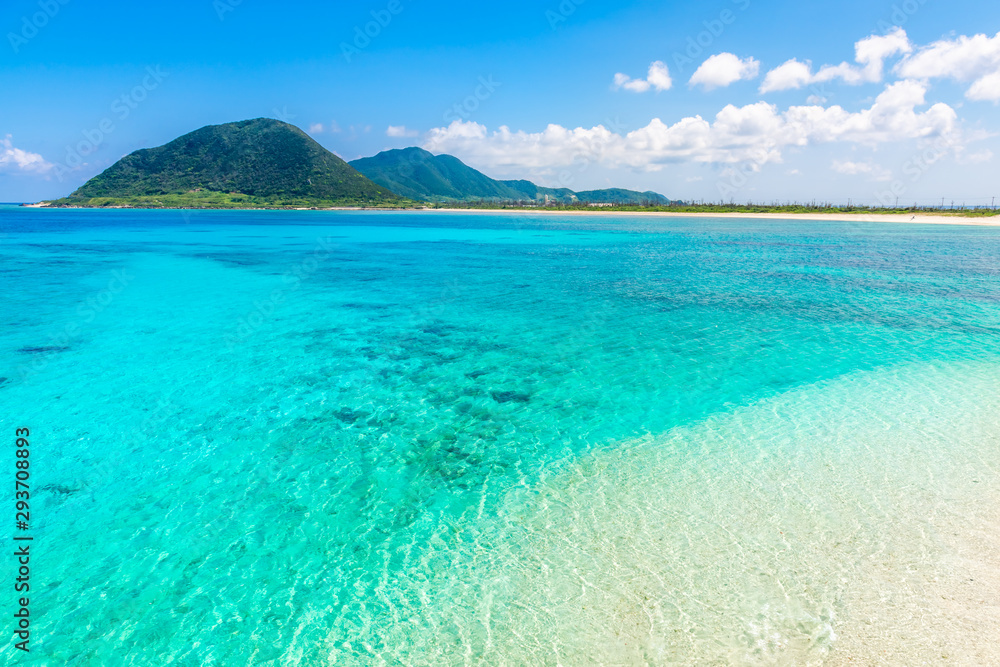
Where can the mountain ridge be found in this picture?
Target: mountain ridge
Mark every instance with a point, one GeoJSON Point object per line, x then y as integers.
{"type": "Point", "coordinates": [419, 174]}
{"type": "Point", "coordinates": [267, 163]}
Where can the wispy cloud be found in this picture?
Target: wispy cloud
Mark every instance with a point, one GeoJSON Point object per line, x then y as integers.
{"type": "Point", "coordinates": [858, 168]}
{"type": "Point", "coordinates": [332, 128]}
{"type": "Point", "coordinates": [400, 131]}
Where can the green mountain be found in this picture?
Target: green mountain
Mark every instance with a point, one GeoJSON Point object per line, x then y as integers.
{"type": "Point", "coordinates": [252, 163]}
{"type": "Point", "coordinates": [418, 174]}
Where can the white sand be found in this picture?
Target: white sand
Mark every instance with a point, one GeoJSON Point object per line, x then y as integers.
{"type": "Point", "coordinates": [850, 217]}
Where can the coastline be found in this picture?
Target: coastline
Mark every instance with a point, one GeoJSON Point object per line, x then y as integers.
{"type": "Point", "coordinates": [860, 217]}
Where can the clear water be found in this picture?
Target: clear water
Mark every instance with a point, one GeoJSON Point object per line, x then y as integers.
{"type": "Point", "coordinates": [425, 438]}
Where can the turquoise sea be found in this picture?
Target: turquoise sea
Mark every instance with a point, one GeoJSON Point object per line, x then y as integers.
{"type": "Point", "coordinates": [316, 438]}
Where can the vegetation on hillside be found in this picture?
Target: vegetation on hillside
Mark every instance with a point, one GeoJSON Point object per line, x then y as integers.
{"type": "Point", "coordinates": [225, 200]}
{"type": "Point", "coordinates": [419, 174]}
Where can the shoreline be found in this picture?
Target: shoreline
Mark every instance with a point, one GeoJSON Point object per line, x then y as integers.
{"type": "Point", "coordinates": [917, 218]}
{"type": "Point", "coordinates": [845, 217]}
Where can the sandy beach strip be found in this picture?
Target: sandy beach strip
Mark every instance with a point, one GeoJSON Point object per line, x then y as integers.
{"type": "Point", "coordinates": [919, 218]}
{"type": "Point", "coordinates": [844, 217]}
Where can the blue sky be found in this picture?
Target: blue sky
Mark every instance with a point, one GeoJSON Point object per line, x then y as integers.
{"type": "Point", "coordinates": [562, 93]}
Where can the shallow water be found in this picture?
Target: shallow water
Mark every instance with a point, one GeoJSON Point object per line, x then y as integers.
{"type": "Point", "coordinates": [419, 438]}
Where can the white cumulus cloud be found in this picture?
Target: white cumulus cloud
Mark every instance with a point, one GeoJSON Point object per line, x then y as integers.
{"type": "Point", "coordinates": [658, 78]}
{"type": "Point", "coordinates": [756, 132]}
{"type": "Point", "coordinates": [792, 74]}
{"type": "Point", "coordinates": [873, 51]}
{"type": "Point", "coordinates": [13, 159]}
{"type": "Point", "coordinates": [723, 69]}
{"type": "Point", "coordinates": [964, 58]}
{"type": "Point", "coordinates": [870, 54]}
{"type": "Point", "coordinates": [316, 128]}
{"type": "Point", "coordinates": [985, 88]}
